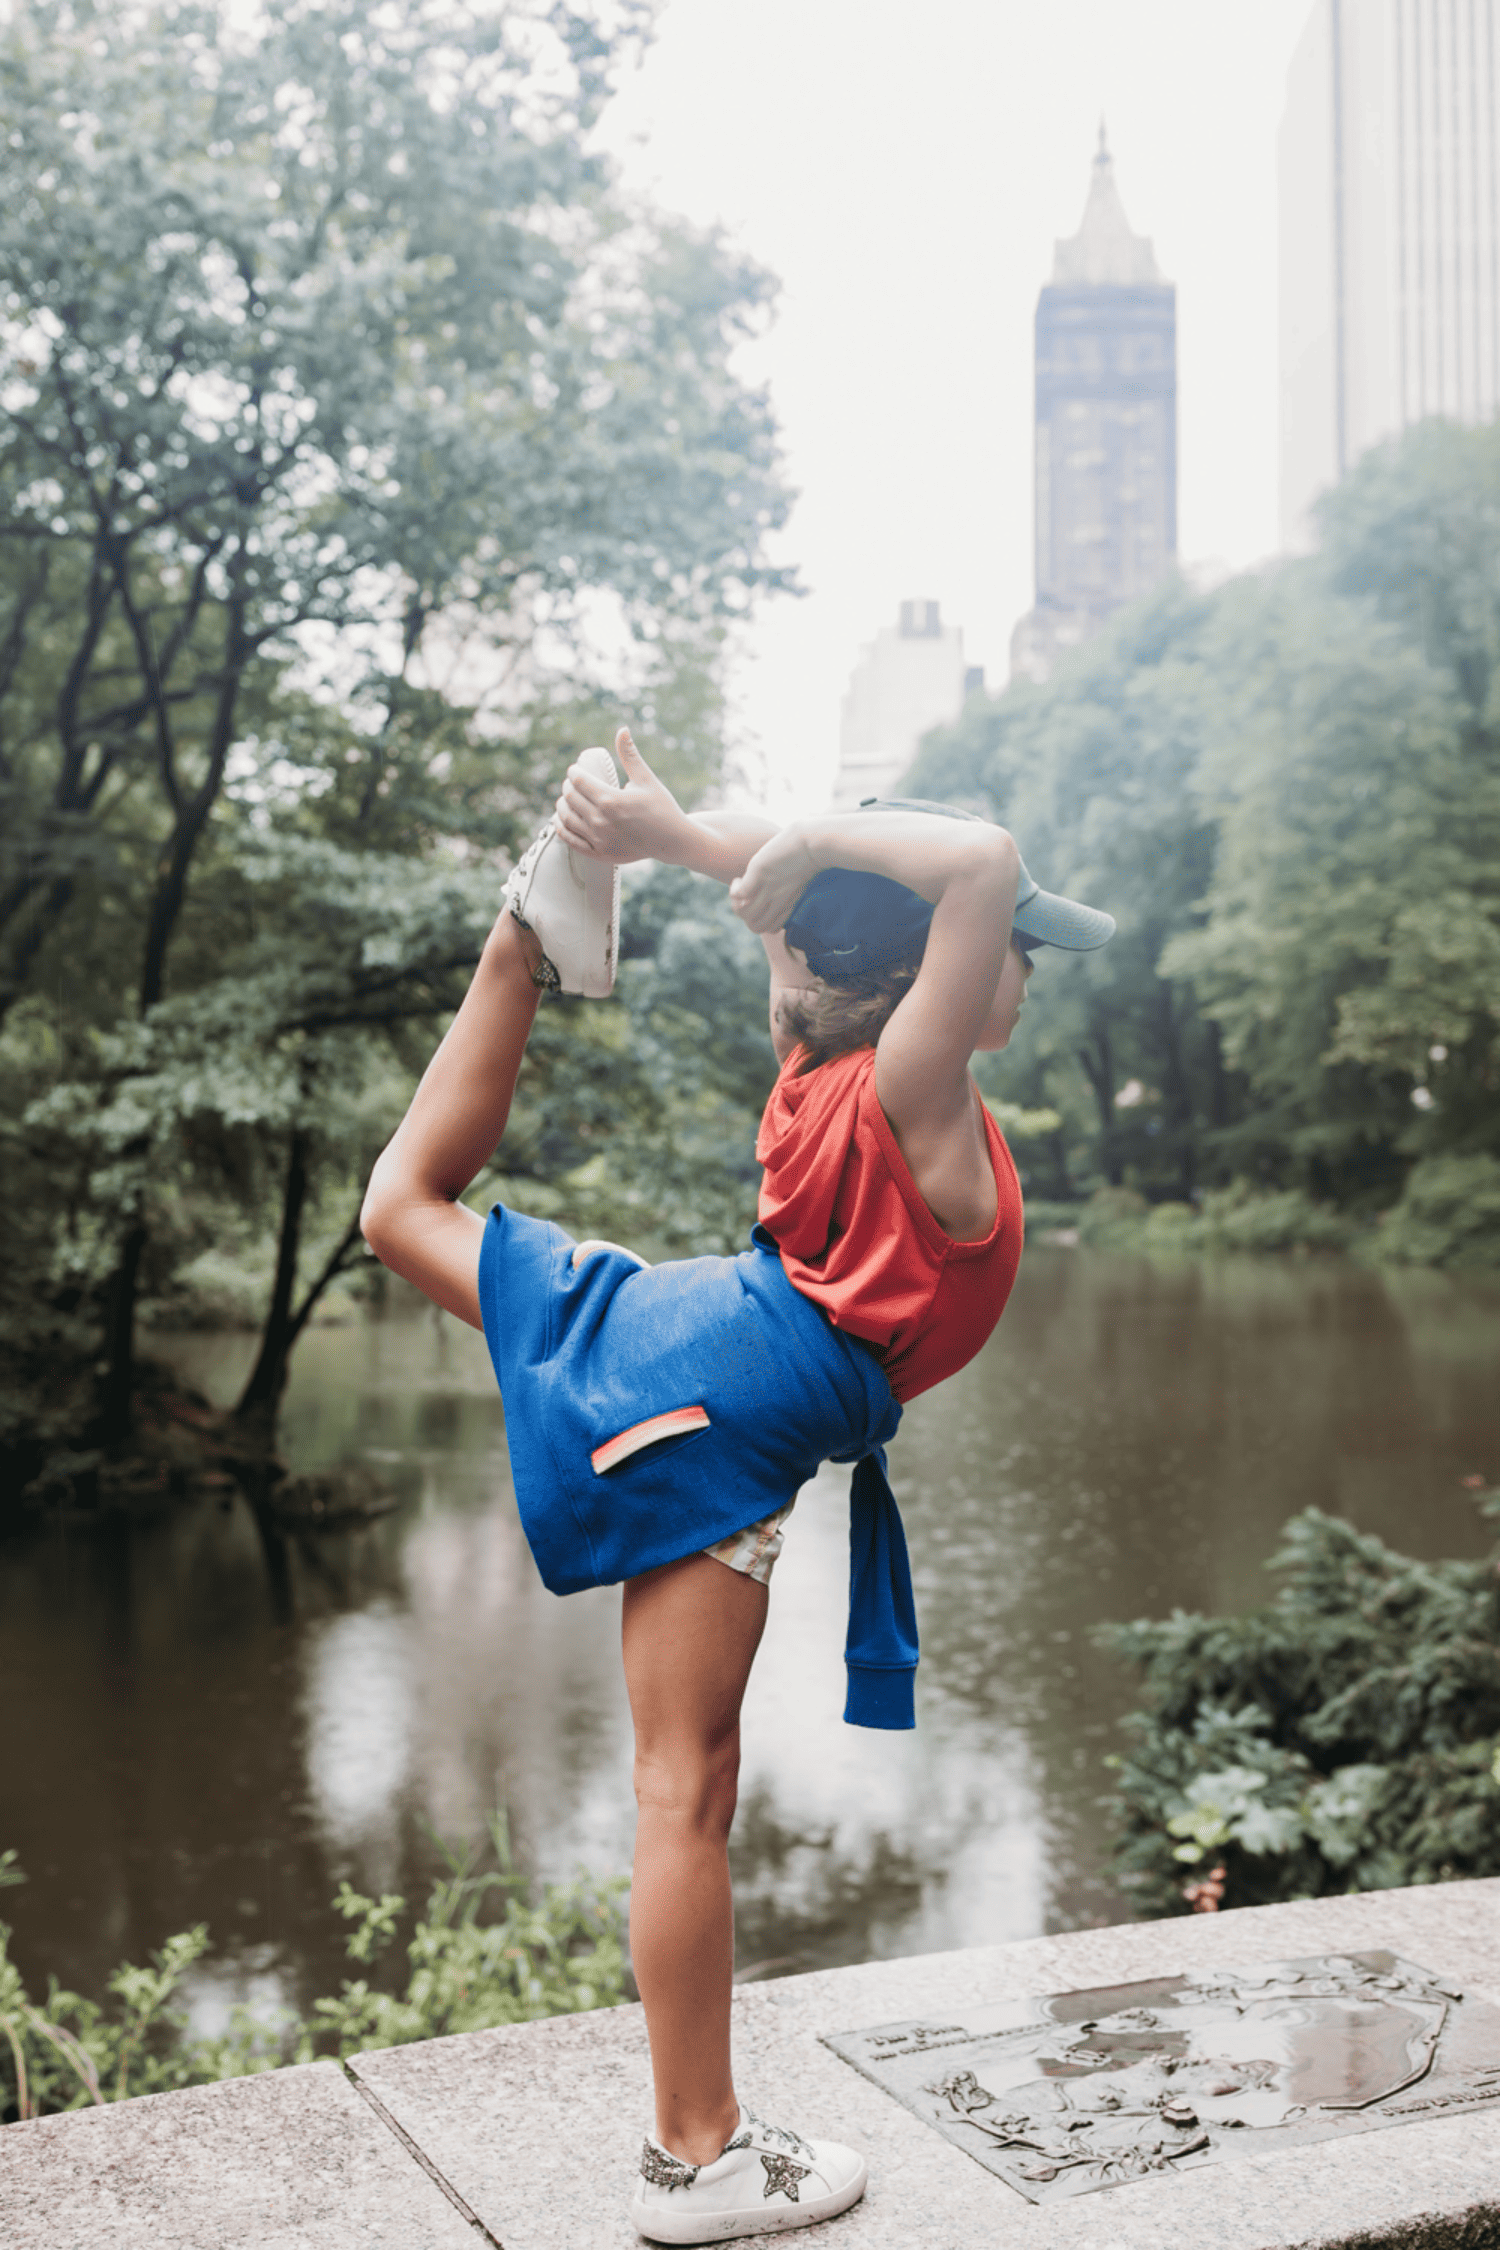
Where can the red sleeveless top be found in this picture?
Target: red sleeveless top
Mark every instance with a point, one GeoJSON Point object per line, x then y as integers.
{"type": "Point", "coordinates": [856, 1237]}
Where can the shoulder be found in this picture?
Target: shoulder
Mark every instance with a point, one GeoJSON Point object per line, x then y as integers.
{"type": "Point", "coordinates": [840, 1078]}
{"type": "Point", "coordinates": [806, 1104]}
{"type": "Point", "coordinates": [803, 1081]}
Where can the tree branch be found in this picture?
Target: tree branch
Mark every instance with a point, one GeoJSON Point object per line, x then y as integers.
{"type": "Point", "coordinates": [96, 611]}
{"type": "Point", "coordinates": [337, 1263]}
{"type": "Point", "coordinates": [412, 626]}
{"type": "Point", "coordinates": [193, 601]}
{"type": "Point", "coordinates": [171, 887]}
{"type": "Point", "coordinates": [13, 647]}
{"type": "Point", "coordinates": [146, 657]}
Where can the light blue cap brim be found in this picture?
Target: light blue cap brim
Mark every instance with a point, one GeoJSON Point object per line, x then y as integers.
{"type": "Point", "coordinates": [1043, 916]}
{"type": "Point", "coordinates": [1047, 919]}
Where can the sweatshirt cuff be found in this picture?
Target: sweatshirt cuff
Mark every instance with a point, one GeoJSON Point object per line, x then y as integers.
{"type": "Point", "coordinates": [880, 1696]}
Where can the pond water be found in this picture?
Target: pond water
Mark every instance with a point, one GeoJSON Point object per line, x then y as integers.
{"type": "Point", "coordinates": [199, 1731]}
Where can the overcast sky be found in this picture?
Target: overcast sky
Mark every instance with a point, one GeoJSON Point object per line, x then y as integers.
{"type": "Point", "coordinates": [904, 171]}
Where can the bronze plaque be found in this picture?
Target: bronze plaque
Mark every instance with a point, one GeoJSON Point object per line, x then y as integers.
{"type": "Point", "coordinates": [1084, 2090]}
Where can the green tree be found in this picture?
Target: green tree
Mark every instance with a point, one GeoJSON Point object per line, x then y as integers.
{"type": "Point", "coordinates": [1094, 774]}
{"type": "Point", "coordinates": [1288, 792]}
{"type": "Point", "coordinates": [344, 408]}
{"type": "Point", "coordinates": [1352, 945]}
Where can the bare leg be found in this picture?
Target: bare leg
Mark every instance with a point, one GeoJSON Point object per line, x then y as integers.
{"type": "Point", "coordinates": [412, 1218]}
{"type": "Point", "coordinates": [691, 1630]}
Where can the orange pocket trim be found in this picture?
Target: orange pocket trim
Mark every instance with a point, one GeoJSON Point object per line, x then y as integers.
{"type": "Point", "coordinates": [641, 1434]}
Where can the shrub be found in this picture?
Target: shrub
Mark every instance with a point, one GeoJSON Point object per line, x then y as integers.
{"type": "Point", "coordinates": [1113, 1219]}
{"type": "Point", "coordinates": [1046, 1216]}
{"type": "Point", "coordinates": [1233, 1218]}
{"type": "Point", "coordinates": [1342, 1737]}
{"type": "Point", "coordinates": [469, 1968]}
{"type": "Point", "coordinates": [1019, 1124]}
{"type": "Point", "coordinates": [1173, 1226]}
{"type": "Point", "coordinates": [1449, 1215]}
{"type": "Point", "coordinates": [1239, 1218]}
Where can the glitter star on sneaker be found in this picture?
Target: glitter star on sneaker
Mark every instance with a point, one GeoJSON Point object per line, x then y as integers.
{"type": "Point", "coordinates": [767, 2181]}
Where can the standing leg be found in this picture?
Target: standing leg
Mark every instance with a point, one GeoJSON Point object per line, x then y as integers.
{"type": "Point", "coordinates": [412, 1218]}
{"type": "Point", "coordinates": [691, 1630]}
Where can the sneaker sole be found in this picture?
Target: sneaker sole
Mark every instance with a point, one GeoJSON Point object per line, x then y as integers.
{"type": "Point", "coordinates": [601, 898]}
{"type": "Point", "coordinates": [727, 2226]}
{"type": "Point", "coordinates": [601, 924]}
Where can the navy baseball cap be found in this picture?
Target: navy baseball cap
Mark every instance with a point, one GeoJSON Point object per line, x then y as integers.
{"type": "Point", "coordinates": [848, 924]}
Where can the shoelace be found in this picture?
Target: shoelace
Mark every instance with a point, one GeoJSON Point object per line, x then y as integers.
{"type": "Point", "coordinates": [534, 849]}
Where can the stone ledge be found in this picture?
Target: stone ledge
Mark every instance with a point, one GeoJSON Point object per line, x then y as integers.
{"type": "Point", "coordinates": [290, 2160]}
{"type": "Point", "coordinates": [539, 2127]}
{"type": "Point", "coordinates": [528, 2137]}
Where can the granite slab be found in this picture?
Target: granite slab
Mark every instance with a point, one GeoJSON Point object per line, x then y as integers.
{"type": "Point", "coordinates": [290, 2160]}
{"type": "Point", "coordinates": [538, 2127]}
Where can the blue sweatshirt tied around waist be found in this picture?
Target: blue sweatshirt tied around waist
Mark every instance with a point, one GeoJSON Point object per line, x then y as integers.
{"type": "Point", "coordinates": [585, 1355]}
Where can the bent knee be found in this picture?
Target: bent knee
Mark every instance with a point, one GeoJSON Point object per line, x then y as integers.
{"type": "Point", "coordinates": [697, 1785]}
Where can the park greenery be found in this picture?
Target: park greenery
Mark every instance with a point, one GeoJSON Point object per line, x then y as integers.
{"type": "Point", "coordinates": [1341, 1737]}
{"type": "Point", "coordinates": [485, 1951]}
{"type": "Point", "coordinates": [1287, 790]}
{"type": "Point", "coordinates": [364, 453]}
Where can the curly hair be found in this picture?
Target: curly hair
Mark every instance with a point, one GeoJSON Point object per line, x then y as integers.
{"type": "Point", "coordinates": [830, 1019]}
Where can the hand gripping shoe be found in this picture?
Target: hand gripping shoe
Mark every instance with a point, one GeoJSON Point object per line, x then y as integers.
{"type": "Point", "coordinates": [571, 904]}
{"type": "Point", "coordinates": [767, 2181]}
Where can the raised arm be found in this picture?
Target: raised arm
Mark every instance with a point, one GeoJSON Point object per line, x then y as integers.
{"type": "Point", "coordinates": [968, 870]}
{"type": "Point", "coordinates": [644, 821]}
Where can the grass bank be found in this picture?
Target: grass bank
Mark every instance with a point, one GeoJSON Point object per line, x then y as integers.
{"type": "Point", "coordinates": [1448, 1217]}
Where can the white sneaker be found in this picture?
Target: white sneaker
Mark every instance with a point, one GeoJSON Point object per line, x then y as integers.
{"type": "Point", "coordinates": [766, 2182]}
{"type": "Point", "coordinates": [572, 905]}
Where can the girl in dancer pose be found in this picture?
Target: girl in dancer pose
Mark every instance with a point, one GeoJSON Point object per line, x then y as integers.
{"type": "Point", "coordinates": [660, 1419]}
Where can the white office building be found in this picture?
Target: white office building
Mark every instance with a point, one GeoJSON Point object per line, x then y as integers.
{"type": "Point", "coordinates": [1390, 233]}
{"type": "Point", "coordinates": [912, 676]}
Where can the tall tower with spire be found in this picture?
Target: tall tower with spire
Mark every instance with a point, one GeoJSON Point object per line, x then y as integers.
{"type": "Point", "coordinates": [1106, 429]}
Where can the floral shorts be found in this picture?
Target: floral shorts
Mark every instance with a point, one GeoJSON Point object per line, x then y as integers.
{"type": "Point", "coordinates": [754, 1550]}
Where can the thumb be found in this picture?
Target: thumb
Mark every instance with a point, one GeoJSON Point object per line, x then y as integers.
{"type": "Point", "coordinates": [630, 758]}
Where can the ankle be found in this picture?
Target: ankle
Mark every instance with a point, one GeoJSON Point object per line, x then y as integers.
{"type": "Point", "coordinates": [513, 947]}
{"type": "Point", "coordinates": [702, 2137]}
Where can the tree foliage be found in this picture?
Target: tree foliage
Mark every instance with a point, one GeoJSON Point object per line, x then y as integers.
{"type": "Point", "coordinates": [362, 452]}
{"type": "Point", "coordinates": [638, 1122]}
{"type": "Point", "coordinates": [1344, 1737]}
{"type": "Point", "coordinates": [1288, 792]}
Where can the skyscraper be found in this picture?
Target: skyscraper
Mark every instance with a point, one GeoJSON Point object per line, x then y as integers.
{"type": "Point", "coordinates": [909, 678]}
{"type": "Point", "coordinates": [1390, 232]}
{"type": "Point", "coordinates": [1106, 429]}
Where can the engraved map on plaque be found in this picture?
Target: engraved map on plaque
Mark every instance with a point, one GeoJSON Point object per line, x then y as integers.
{"type": "Point", "coordinates": [1086, 2090]}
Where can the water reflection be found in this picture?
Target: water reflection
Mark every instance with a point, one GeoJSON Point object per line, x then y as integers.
{"type": "Point", "coordinates": [360, 1724]}
{"type": "Point", "coordinates": [205, 1736]}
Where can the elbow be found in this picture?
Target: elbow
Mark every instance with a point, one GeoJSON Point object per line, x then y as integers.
{"type": "Point", "coordinates": [1005, 850]}
{"type": "Point", "coordinates": [993, 855]}
{"type": "Point", "coordinates": [379, 1214]}
{"type": "Point", "coordinates": [1005, 864]}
